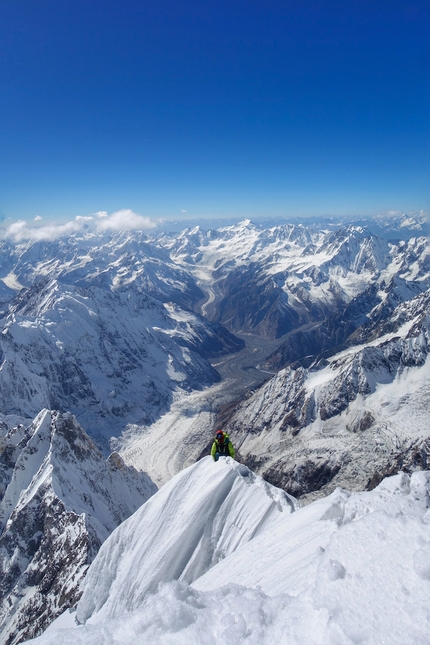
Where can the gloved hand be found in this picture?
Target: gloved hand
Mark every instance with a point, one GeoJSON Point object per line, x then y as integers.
{"type": "Point", "coordinates": [216, 457]}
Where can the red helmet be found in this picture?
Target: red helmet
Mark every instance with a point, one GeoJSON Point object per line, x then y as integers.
{"type": "Point", "coordinates": [220, 435]}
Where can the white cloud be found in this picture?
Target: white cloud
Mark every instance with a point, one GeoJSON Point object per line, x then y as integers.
{"type": "Point", "coordinates": [123, 220]}
{"type": "Point", "coordinates": [37, 218]}
{"type": "Point", "coordinates": [392, 213]}
{"type": "Point", "coordinates": [184, 211]}
{"type": "Point", "coordinates": [20, 232]}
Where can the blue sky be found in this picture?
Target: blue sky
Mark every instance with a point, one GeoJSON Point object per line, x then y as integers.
{"type": "Point", "coordinates": [213, 108]}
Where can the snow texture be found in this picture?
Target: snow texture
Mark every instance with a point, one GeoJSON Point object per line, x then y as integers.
{"type": "Point", "coordinates": [185, 534]}
{"type": "Point", "coordinates": [346, 569]}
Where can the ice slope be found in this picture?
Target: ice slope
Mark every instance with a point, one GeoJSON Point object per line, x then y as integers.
{"type": "Point", "coordinates": [59, 500]}
{"type": "Point", "coordinates": [346, 570]}
{"type": "Point", "coordinates": [204, 513]}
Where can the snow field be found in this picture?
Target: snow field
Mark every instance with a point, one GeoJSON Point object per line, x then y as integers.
{"type": "Point", "coordinates": [233, 615]}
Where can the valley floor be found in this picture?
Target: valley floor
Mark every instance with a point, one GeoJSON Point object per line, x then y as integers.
{"type": "Point", "coordinates": [178, 438]}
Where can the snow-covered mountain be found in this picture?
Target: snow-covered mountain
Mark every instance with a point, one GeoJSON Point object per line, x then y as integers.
{"type": "Point", "coordinates": [59, 500]}
{"type": "Point", "coordinates": [106, 328]}
{"type": "Point", "coordinates": [110, 357]}
{"type": "Point", "coordinates": [106, 325]}
{"type": "Point", "coordinates": [131, 334]}
{"type": "Point", "coordinates": [349, 419]}
{"type": "Point", "coordinates": [245, 564]}
{"type": "Point", "coordinates": [274, 281]}
{"type": "Point", "coordinates": [113, 262]}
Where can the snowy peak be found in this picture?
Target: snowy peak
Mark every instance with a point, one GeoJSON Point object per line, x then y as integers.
{"type": "Point", "coordinates": [194, 521]}
{"type": "Point", "coordinates": [61, 501]}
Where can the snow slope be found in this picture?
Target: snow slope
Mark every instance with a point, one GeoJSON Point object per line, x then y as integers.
{"type": "Point", "coordinates": [204, 513]}
{"type": "Point", "coordinates": [347, 569]}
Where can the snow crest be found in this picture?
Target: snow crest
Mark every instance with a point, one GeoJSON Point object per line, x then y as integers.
{"type": "Point", "coordinates": [201, 516]}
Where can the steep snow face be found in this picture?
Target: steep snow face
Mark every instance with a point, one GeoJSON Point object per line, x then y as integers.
{"type": "Point", "coordinates": [348, 569]}
{"type": "Point", "coordinates": [349, 420]}
{"type": "Point", "coordinates": [60, 499]}
{"type": "Point", "coordinates": [201, 516]}
{"type": "Point", "coordinates": [110, 358]}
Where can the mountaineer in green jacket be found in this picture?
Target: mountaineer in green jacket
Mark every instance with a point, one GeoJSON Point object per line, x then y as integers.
{"type": "Point", "coordinates": [222, 446]}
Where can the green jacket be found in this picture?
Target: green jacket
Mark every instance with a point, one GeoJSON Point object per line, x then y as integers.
{"type": "Point", "coordinates": [224, 449]}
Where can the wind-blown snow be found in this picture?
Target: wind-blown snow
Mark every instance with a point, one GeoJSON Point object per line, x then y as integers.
{"type": "Point", "coordinates": [347, 569]}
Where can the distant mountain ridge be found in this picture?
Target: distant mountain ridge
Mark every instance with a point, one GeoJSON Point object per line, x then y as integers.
{"type": "Point", "coordinates": [272, 281]}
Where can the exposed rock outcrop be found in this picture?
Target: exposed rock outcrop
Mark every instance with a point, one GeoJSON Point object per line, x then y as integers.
{"type": "Point", "coordinates": [60, 499]}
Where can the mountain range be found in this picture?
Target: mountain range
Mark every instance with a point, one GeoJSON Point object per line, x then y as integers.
{"type": "Point", "coordinates": [120, 353]}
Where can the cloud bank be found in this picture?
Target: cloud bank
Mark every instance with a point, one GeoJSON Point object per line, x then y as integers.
{"type": "Point", "coordinates": [122, 220]}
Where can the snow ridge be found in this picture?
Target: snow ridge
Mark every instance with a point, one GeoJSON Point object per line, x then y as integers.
{"type": "Point", "coordinates": [204, 513]}
{"type": "Point", "coordinates": [347, 569]}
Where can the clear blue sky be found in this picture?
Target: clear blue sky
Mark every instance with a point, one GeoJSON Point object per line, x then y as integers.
{"type": "Point", "coordinates": [214, 107]}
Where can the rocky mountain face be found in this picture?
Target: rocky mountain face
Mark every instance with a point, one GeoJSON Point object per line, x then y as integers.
{"type": "Point", "coordinates": [59, 501]}
{"type": "Point", "coordinates": [349, 419]}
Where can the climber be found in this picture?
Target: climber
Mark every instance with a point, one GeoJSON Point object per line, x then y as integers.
{"type": "Point", "coordinates": [222, 446]}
